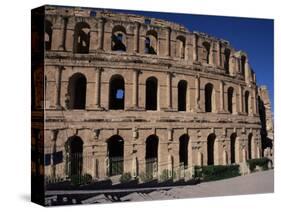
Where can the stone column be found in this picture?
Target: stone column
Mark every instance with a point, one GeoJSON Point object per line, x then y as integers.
{"type": "Point", "coordinates": [186, 49]}
{"type": "Point", "coordinates": [101, 33]}
{"type": "Point", "coordinates": [194, 41]}
{"type": "Point", "coordinates": [136, 41]}
{"type": "Point", "coordinates": [58, 87]}
{"type": "Point", "coordinates": [218, 53]}
{"type": "Point", "coordinates": [54, 150]}
{"type": "Point", "coordinates": [98, 87]}
{"type": "Point", "coordinates": [254, 110]}
{"type": "Point", "coordinates": [197, 94]}
{"type": "Point", "coordinates": [168, 42]}
{"type": "Point", "coordinates": [58, 35]}
{"type": "Point", "coordinates": [222, 96]}
{"type": "Point", "coordinates": [136, 88]}
{"type": "Point", "coordinates": [211, 56]}
{"type": "Point", "coordinates": [169, 90]}
{"type": "Point", "coordinates": [241, 99]}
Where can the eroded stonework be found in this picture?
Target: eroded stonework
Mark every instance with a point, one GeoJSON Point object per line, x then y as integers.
{"type": "Point", "coordinates": [127, 93]}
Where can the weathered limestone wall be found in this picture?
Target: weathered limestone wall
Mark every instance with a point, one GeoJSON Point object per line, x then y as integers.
{"type": "Point", "coordinates": [194, 57]}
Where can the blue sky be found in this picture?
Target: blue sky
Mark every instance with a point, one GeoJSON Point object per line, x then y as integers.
{"type": "Point", "coordinates": [254, 36]}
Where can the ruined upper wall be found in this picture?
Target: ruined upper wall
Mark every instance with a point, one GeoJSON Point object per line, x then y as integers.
{"type": "Point", "coordinates": [169, 40]}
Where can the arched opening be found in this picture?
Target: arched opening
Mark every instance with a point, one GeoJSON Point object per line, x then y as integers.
{"type": "Point", "coordinates": [74, 147]}
{"type": "Point", "coordinates": [77, 91]}
{"type": "Point", "coordinates": [151, 96]}
{"type": "Point", "coordinates": [210, 148]}
{"type": "Point", "coordinates": [180, 46]}
{"type": "Point", "coordinates": [230, 97]}
{"type": "Point", "coordinates": [243, 64]}
{"type": "Point", "coordinates": [206, 52]}
{"type": "Point", "coordinates": [226, 60]}
{"type": "Point", "coordinates": [151, 154]}
{"type": "Point", "coordinates": [233, 156]}
{"type": "Point", "coordinates": [182, 94]}
{"type": "Point", "coordinates": [250, 138]}
{"type": "Point", "coordinates": [118, 39]}
{"type": "Point", "coordinates": [151, 42]}
{"type": "Point", "coordinates": [81, 38]}
{"type": "Point", "coordinates": [247, 102]}
{"type": "Point", "coordinates": [116, 93]}
{"type": "Point", "coordinates": [115, 151]}
{"type": "Point", "coordinates": [183, 150]}
{"type": "Point", "coordinates": [209, 97]}
{"type": "Point", "coordinates": [48, 34]}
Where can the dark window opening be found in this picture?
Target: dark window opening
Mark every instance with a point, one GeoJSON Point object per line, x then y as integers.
{"type": "Point", "coordinates": [247, 102]}
{"type": "Point", "coordinates": [243, 63]}
{"type": "Point", "coordinates": [151, 94]}
{"type": "Point", "coordinates": [148, 48]}
{"type": "Point", "coordinates": [226, 60]}
{"type": "Point", "coordinates": [115, 146]}
{"type": "Point", "coordinates": [57, 157]}
{"type": "Point", "coordinates": [250, 145]}
{"type": "Point", "coordinates": [74, 146]}
{"type": "Point", "coordinates": [48, 35]}
{"type": "Point", "coordinates": [182, 93]}
{"type": "Point", "coordinates": [180, 47]}
{"type": "Point", "coordinates": [183, 150]}
{"type": "Point", "coordinates": [206, 52]}
{"type": "Point", "coordinates": [210, 146]}
{"type": "Point", "coordinates": [77, 91]}
{"type": "Point", "coordinates": [81, 38]}
{"type": "Point", "coordinates": [93, 13]}
{"type": "Point", "coordinates": [118, 39]}
{"type": "Point", "coordinates": [151, 154]}
{"type": "Point", "coordinates": [232, 148]}
{"type": "Point", "coordinates": [47, 159]}
{"type": "Point", "coordinates": [230, 100]}
{"type": "Point", "coordinates": [116, 93]}
{"type": "Point", "coordinates": [147, 21]}
{"type": "Point", "coordinates": [208, 97]}
{"type": "Point", "coordinates": [151, 42]}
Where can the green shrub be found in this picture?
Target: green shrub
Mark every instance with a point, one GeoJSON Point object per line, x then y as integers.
{"type": "Point", "coordinates": [165, 175]}
{"type": "Point", "coordinates": [81, 179]}
{"type": "Point", "coordinates": [209, 173]}
{"type": "Point", "coordinates": [146, 177]}
{"type": "Point", "coordinates": [262, 162]}
{"type": "Point", "coordinates": [126, 177]}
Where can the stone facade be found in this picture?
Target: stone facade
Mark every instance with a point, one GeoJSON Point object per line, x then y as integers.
{"type": "Point", "coordinates": [164, 97]}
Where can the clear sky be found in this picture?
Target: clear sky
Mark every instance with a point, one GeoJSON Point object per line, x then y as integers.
{"type": "Point", "coordinates": [254, 36]}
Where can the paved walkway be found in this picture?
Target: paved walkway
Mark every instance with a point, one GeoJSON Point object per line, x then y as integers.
{"type": "Point", "coordinates": [260, 182]}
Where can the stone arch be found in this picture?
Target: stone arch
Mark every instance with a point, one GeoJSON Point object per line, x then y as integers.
{"type": "Point", "coordinates": [77, 91]}
{"type": "Point", "coordinates": [206, 51]}
{"type": "Point", "coordinates": [184, 149]}
{"type": "Point", "coordinates": [182, 95]}
{"type": "Point", "coordinates": [230, 100]}
{"type": "Point", "coordinates": [151, 94]}
{"type": "Point", "coordinates": [74, 159]}
{"type": "Point", "coordinates": [250, 146]}
{"type": "Point", "coordinates": [234, 149]}
{"type": "Point", "coordinates": [116, 92]}
{"type": "Point", "coordinates": [180, 46]}
{"type": "Point", "coordinates": [209, 98]}
{"type": "Point", "coordinates": [118, 39]}
{"type": "Point", "coordinates": [226, 59]}
{"type": "Point", "coordinates": [151, 42]}
{"type": "Point", "coordinates": [247, 102]}
{"type": "Point", "coordinates": [81, 42]}
{"type": "Point", "coordinates": [211, 149]}
{"type": "Point", "coordinates": [48, 34]}
{"type": "Point", "coordinates": [151, 154]}
{"type": "Point", "coordinates": [115, 153]}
